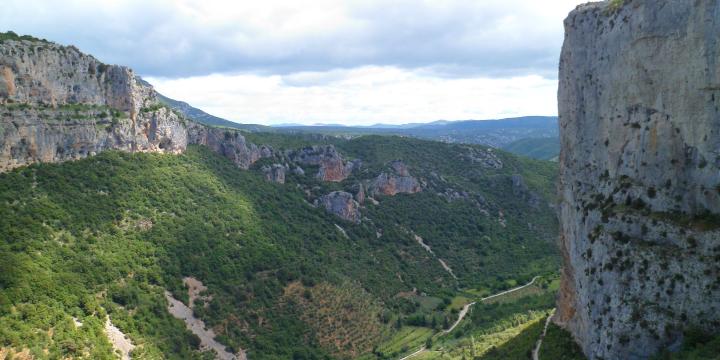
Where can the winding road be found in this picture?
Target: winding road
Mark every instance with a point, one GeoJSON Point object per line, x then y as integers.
{"type": "Point", "coordinates": [465, 311]}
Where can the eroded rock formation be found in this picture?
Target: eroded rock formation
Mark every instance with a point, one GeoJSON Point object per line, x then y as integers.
{"type": "Point", "coordinates": [58, 104]}
{"type": "Point", "coordinates": [397, 182]}
{"type": "Point", "coordinates": [639, 104]}
{"type": "Point", "coordinates": [341, 204]}
{"type": "Point", "coordinates": [274, 173]}
{"type": "Point", "coordinates": [228, 143]}
{"type": "Point", "coordinates": [332, 166]}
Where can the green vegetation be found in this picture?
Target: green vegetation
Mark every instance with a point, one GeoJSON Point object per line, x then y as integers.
{"type": "Point", "coordinates": [108, 234]}
{"type": "Point", "coordinates": [537, 148]}
{"type": "Point", "coordinates": [505, 328]}
{"type": "Point", "coordinates": [615, 6]}
{"type": "Point", "coordinates": [697, 345]}
{"type": "Point", "coordinates": [520, 346]}
{"type": "Point", "coordinates": [408, 339]}
{"type": "Point", "coordinates": [5, 36]}
{"type": "Point", "coordinates": [66, 112]}
{"type": "Point", "coordinates": [559, 345]}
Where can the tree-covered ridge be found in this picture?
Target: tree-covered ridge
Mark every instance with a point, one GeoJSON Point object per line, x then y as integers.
{"type": "Point", "coordinates": [110, 233]}
{"type": "Point", "coordinates": [472, 214]}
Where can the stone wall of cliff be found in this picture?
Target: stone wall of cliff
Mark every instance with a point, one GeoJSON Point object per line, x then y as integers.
{"type": "Point", "coordinates": [58, 104]}
{"type": "Point", "coordinates": [639, 104]}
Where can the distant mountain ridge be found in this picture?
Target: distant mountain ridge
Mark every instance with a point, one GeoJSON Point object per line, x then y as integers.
{"type": "Point", "coordinates": [532, 136]}
{"type": "Point", "coordinates": [500, 133]}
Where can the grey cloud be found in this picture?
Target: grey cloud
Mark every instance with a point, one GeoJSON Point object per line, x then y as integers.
{"type": "Point", "coordinates": [158, 41]}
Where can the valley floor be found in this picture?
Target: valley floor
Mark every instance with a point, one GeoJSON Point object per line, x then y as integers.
{"type": "Point", "coordinates": [511, 317]}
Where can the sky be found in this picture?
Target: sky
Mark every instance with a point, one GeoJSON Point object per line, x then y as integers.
{"type": "Point", "coordinates": [322, 61]}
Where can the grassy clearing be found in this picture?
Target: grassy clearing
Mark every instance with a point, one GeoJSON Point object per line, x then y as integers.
{"type": "Point", "coordinates": [513, 342]}
{"type": "Point", "coordinates": [535, 289]}
{"type": "Point", "coordinates": [408, 339]}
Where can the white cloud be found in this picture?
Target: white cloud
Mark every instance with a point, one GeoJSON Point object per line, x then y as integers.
{"type": "Point", "coordinates": [177, 38]}
{"type": "Point", "coordinates": [364, 95]}
{"type": "Point", "coordinates": [351, 61]}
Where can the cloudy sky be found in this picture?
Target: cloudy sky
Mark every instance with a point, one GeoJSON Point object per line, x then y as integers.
{"type": "Point", "coordinates": [322, 61]}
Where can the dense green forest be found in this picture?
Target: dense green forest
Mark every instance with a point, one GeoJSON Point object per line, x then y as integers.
{"type": "Point", "coordinates": [108, 234]}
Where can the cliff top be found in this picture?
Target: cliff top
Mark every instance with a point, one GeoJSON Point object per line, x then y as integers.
{"type": "Point", "coordinates": [10, 35]}
{"type": "Point", "coordinates": [607, 6]}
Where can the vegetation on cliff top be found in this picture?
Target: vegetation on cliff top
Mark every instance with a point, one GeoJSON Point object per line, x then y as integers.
{"type": "Point", "coordinates": [13, 36]}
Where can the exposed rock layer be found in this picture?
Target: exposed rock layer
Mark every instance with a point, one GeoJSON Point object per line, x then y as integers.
{"type": "Point", "coordinates": [341, 204]}
{"type": "Point", "coordinates": [57, 104]}
{"type": "Point", "coordinates": [332, 167]}
{"type": "Point", "coordinates": [398, 182]}
{"type": "Point", "coordinates": [639, 104]}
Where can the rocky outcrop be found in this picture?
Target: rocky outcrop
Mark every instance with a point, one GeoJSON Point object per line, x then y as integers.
{"type": "Point", "coordinates": [58, 104]}
{"type": "Point", "coordinates": [484, 157]}
{"type": "Point", "coordinates": [35, 133]}
{"type": "Point", "coordinates": [332, 165]}
{"type": "Point", "coordinates": [398, 182]}
{"type": "Point", "coordinates": [400, 168]}
{"type": "Point", "coordinates": [274, 173]}
{"type": "Point", "coordinates": [521, 190]}
{"type": "Point", "coordinates": [360, 194]}
{"type": "Point", "coordinates": [639, 104]}
{"type": "Point", "coordinates": [229, 143]}
{"type": "Point", "coordinates": [36, 72]}
{"type": "Point", "coordinates": [341, 204]}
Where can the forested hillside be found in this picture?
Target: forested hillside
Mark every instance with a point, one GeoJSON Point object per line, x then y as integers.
{"type": "Point", "coordinates": [108, 234]}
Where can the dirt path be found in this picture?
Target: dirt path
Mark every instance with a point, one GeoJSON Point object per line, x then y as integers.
{"type": "Point", "coordinates": [197, 327]}
{"type": "Point", "coordinates": [118, 340]}
{"type": "Point", "coordinates": [421, 350]}
{"type": "Point", "coordinates": [536, 350]}
{"type": "Point", "coordinates": [511, 290]}
{"type": "Point", "coordinates": [461, 316]}
{"type": "Point", "coordinates": [465, 311]}
{"type": "Point", "coordinates": [428, 249]}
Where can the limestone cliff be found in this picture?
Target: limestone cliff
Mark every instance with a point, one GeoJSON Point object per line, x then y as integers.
{"type": "Point", "coordinates": [397, 182]}
{"type": "Point", "coordinates": [639, 104]}
{"type": "Point", "coordinates": [58, 104]}
{"type": "Point", "coordinates": [341, 204]}
{"type": "Point", "coordinates": [332, 166]}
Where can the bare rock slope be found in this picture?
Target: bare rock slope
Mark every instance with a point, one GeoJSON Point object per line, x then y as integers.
{"type": "Point", "coordinates": [639, 104]}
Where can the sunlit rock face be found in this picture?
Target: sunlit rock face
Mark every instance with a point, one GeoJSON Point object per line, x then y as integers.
{"type": "Point", "coordinates": [639, 104]}
{"type": "Point", "coordinates": [399, 181]}
{"type": "Point", "coordinates": [58, 104]}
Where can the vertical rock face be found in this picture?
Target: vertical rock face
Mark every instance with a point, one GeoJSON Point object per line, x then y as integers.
{"type": "Point", "coordinates": [639, 104]}
{"type": "Point", "coordinates": [332, 166]}
{"type": "Point", "coordinates": [274, 173]}
{"type": "Point", "coordinates": [341, 204]}
{"type": "Point", "coordinates": [58, 104]}
{"type": "Point", "coordinates": [38, 72]}
{"type": "Point", "coordinates": [228, 143]}
{"type": "Point", "coordinates": [399, 182]}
